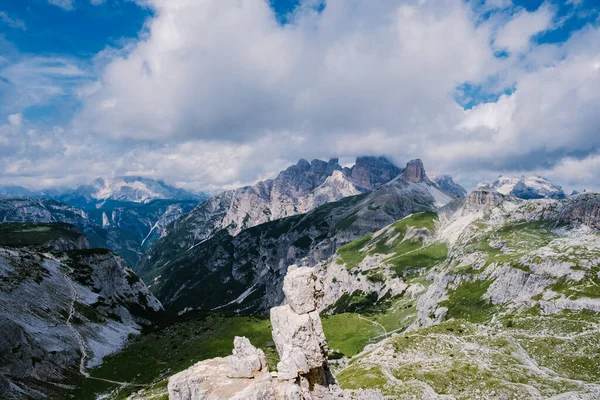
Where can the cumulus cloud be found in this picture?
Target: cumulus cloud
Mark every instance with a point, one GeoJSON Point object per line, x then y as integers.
{"type": "Point", "coordinates": [218, 93]}
{"type": "Point", "coordinates": [15, 119]}
{"type": "Point", "coordinates": [516, 35]}
{"type": "Point", "coordinates": [27, 81]}
{"type": "Point", "coordinates": [223, 69]}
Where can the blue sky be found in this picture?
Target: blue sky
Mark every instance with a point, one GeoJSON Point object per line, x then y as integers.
{"type": "Point", "coordinates": [152, 87]}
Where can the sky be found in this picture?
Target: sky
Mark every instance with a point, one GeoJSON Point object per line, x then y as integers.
{"type": "Point", "coordinates": [215, 94]}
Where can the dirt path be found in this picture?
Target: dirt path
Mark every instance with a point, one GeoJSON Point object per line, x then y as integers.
{"type": "Point", "coordinates": [81, 342]}
{"type": "Point", "coordinates": [374, 323]}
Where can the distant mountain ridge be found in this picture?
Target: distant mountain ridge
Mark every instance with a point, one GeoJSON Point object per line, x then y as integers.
{"type": "Point", "coordinates": [527, 188]}
{"type": "Point", "coordinates": [128, 229]}
{"type": "Point", "coordinates": [125, 189]}
{"type": "Point", "coordinates": [447, 184]}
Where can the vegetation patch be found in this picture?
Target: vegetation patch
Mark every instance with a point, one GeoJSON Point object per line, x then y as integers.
{"type": "Point", "coordinates": [426, 257]}
{"type": "Point", "coordinates": [467, 302]}
{"type": "Point", "coordinates": [17, 234]}
{"type": "Point", "coordinates": [352, 253]}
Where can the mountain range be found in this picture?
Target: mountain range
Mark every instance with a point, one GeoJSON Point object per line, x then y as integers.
{"type": "Point", "coordinates": [425, 291]}
{"type": "Point", "coordinates": [104, 192]}
{"type": "Point", "coordinates": [125, 214]}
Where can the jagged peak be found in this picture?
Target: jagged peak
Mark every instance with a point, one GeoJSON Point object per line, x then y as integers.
{"type": "Point", "coordinates": [302, 163]}
{"type": "Point", "coordinates": [415, 172]}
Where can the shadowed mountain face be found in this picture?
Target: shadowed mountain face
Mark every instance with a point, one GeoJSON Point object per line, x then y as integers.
{"type": "Point", "coordinates": [296, 190]}
{"type": "Point", "coordinates": [448, 185]}
{"type": "Point", "coordinates": [244, 272]}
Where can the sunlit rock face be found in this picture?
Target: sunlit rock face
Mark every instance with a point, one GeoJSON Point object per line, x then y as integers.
{"type": "Point", "coordinates": [303, 372]}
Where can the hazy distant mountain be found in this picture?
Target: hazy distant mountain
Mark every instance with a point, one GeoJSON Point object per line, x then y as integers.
{"type": "Point", "coordinates": [447, 184]}
{"type": "Point", "coordinates": [532, 187]}
{"type": "Point", "coordinates": [127, 189]}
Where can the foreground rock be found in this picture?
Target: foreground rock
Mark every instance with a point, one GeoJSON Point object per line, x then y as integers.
{"type": "Point", "coordinates": [303, 372]}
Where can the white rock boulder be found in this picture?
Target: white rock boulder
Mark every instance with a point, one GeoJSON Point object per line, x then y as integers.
{"type": "Point", "coordinates": [302, 289]}
{"type": "Point", "coordinates": [246, 361]}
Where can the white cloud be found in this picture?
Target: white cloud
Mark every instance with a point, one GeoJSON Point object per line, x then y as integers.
{"type": "Point", "coordinates": [218, 93]}
{"type": "Point", "coordinates": [64, 4]}
{"type": "Point", "coordinates": [15, 119]}
{"type": "Point", "coordinates": [227, 69]}
{"type": "Point", "coordinates": [516, 35]}
{"type": "Point", "coordinates": [37, 80]}
{"type": "Point", "coordinates": [13, 23]}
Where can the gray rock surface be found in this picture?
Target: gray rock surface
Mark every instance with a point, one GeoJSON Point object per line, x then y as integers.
{"type": "Point", "coordinates": [63, 308]}
{"type": "Point", "coordinates": [303, 372]}
{"type": "Point", "coordinates": [246, 361]}
{"type": "Point", "coordinates": [415, 172]}
{"type": "Point", "coordinates": [234, 269]}
{"type": "Point", "coordinates": [298, 189]}
{"type": "Point", "coordinates": [368, 173]}
{"type": "Point", "coordinates": [448, 185]}
{"type": "Point", "coordinates": [302, 290]}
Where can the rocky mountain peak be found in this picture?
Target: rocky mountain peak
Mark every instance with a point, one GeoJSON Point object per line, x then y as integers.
{"type": "Point", "coordinates": [415, 172]}
{"type": "Point", "coordinates": [483, 198]}
{"type": "Point", "coordinates": [532, 187]}
{"type": "Point", "coordinates": [302, 163]}
{"type": "Point", "coordinates": [368, 173]}
{"type": "Point", "coordinates": [333, 165]}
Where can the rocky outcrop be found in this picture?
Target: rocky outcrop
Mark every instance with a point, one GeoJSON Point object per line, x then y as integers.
{"type": "Point", "coordinates": [368, 173]}
{"type": "Point", "coordinates": [483, 199]}
{"type": "Point", "coordinates": [247, 361]}
{"type": "Point", "coordinates": [302, 373]}
{"type": "Point", "coordinates": [582, 209]}
{"type": "Point", "coordinates": [415, 172]}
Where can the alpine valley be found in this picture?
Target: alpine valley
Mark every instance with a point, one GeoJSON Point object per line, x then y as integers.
{"type": "Point", "coordinates": [379, 281]}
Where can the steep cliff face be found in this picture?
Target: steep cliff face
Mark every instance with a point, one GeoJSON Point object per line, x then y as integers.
{"type": "Point", "coordinates": [297, 190]}
{"type": "Point", "coordinates": [63, 307]}
{"type": "Point", "coordinates": [245, 272]}
{"type": "Point", "coordinates": [368, 173]}
{"type": "Point", "coordinates": [448, 185]}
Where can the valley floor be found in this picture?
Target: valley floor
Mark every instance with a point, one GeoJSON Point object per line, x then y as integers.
{"type": "Point", "coordinates": [523, 357]}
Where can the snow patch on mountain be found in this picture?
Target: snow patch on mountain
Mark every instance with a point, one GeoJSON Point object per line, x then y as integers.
{"type": "Point", "coordinates": [531, 187]}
